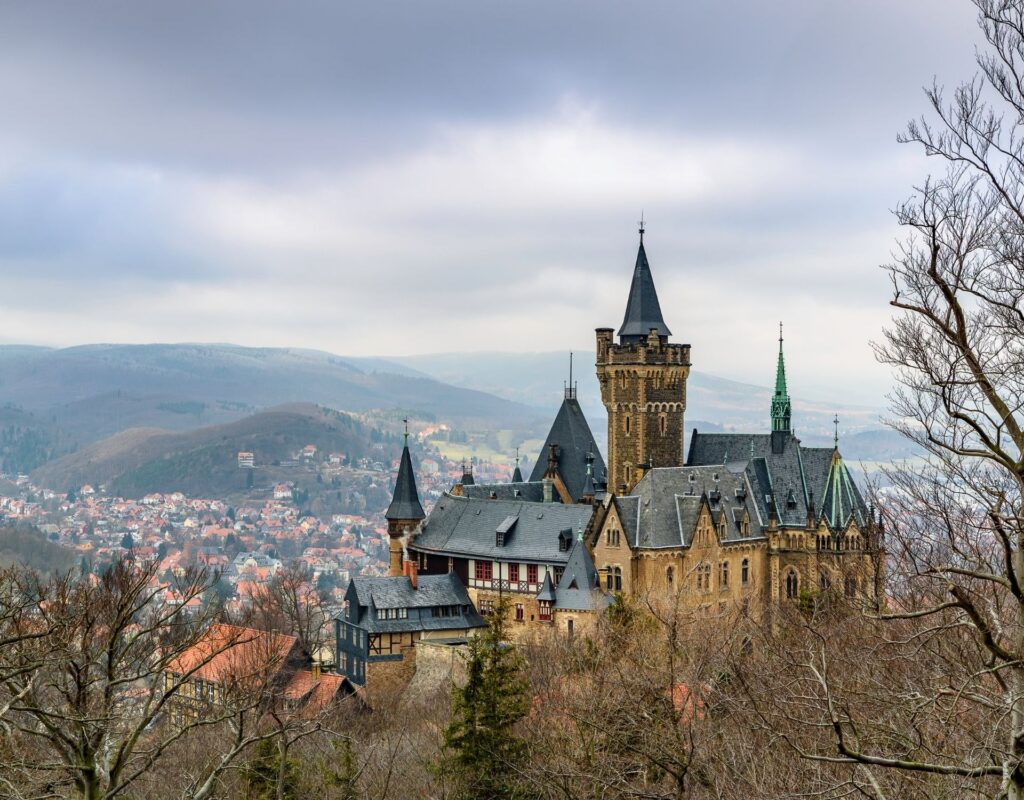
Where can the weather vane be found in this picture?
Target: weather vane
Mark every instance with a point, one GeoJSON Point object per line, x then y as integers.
{"type": "Point", "coordinates": [642, 227]}
{"type": "Point", "coordinates": [406, 421]}
{"type": "Point", "coordinates": [835, 437]}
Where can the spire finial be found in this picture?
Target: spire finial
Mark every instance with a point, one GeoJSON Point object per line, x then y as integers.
{"type": "Point", "coordinates": [781, 407]}
{"type": "Point", "coordinates": [835, 437]}
{"type": "Point", "coordinates": [642, 226]}
{"type": "Point", "coordinates": [406, 434]}
{"type": "Point", "coordinates": [517, 456]}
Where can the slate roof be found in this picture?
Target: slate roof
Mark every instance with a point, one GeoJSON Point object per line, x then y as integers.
{"type": "Point", "coordinates": [517, 476]}
{"type": "Point", "coordinates": [791, 477]}
{"type": "Point", "coordinates": [463, 526]}
{"type": "Point", "coordinates": [665, 505]}
{"type": "Point", "coordinates": [643, 311]}
{"type": "Point", "coordinates": [531, 491]}
{"type": "Point", "coordinates": [405, 502]}
{"type": "Point", "coordinates": [397, 592]}
{"type": "Point", "coordinates": [579, 588]}
{"type": "Point", "coordinates": [574, 440]}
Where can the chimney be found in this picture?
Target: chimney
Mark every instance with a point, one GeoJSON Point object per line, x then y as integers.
{"type": "Point", "coordinates": [549, 487]}
{"type": "Point", "coordinates": [315, 669]}
{"type": "Point", "coordinates": [409, 570]}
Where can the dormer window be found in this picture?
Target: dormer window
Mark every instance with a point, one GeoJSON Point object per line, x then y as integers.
{"type": "Point", "coordinates": [504, 531]}
{"type": "Point", "coordinates": [564, 540]}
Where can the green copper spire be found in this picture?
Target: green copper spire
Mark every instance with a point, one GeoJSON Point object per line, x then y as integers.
{"type": "Point", "coordinates": [781, 409]}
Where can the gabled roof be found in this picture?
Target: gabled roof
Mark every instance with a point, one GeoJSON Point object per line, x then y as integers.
{"type": "Point", "coordinates": [462, 526]}
{"type": "Point", "coordinates": [573, 441]}
{"type": "Point", "coordinates": [397, 592]}
{"type": "Point", "coordinates": [547, 589]}
{"type": "Point", "coordinates": [643, 311]}
{"type": "Point", "coordinates": [230, 652]}
{"type": "Point", "coordinates": [405, 502]}
{"type": "Point", "coordinates": [578, 589]}
{"type": "Point", "coordinates": [804, 471]}
{"type": "Point", "coordinates": [666, 504]}
{"type": "Point", "coordinates": [517, 476]}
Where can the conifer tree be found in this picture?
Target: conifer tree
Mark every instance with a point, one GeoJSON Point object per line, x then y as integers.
{"type": "Point", "coordinates": [483, 752]}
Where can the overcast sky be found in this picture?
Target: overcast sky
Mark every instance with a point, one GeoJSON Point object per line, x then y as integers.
{"type": "Point", "coordinates": [396, 178]}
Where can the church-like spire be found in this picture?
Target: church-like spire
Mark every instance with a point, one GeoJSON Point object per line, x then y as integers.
{"type": "Point", "coordinates": [517, 476]}
{"type": "Point", "coordinates": [643, 311]}
{"type": "Point", "coordinates": [405, 503]}
{"type": "Point", "coordinates": [781, 408]}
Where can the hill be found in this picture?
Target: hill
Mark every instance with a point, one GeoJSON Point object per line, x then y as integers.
{"type": "Point", "coordinates": [24, 544]}
{"type": "Point", "coordinates": [93, 391]}
{"type": "Point", "coordinates": [204, 461]}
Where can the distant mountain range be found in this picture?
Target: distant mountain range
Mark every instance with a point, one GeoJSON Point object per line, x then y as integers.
{"type": "Point", "coordinates": [204, 461]}
{"type": "Point", "coordinates": [59, 400]}
{"type": "Point", "coordinates": [55, 402]}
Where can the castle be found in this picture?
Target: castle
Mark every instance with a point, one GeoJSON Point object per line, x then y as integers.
{"type": "Point", "coordinates": [743, 522]}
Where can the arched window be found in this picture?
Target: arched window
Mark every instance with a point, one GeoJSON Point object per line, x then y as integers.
{"type": "Point", "coordinates": [723, 575]}
{"type": "Point", "coordinates": [792, 585]}
{"type": "Point", "coordinates": [629, 474]}
{"type": "Point", "coordinates": [618, 579]}
{"type": "Point", "coordinates": [670, 575]}
{"type": "Point", "coordinates": [745, 571]}
{"type": "Point", "coordinates": [609, 580]}
{"type": "Point", "coordinates": [662, 424]}
{"type": "Point", "coordinates": [627, 425]}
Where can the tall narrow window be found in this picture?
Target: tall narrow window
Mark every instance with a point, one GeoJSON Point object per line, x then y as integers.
{"type": "Point", "coordinates": [662, 424]}
{"type": "Point", "coordinates": [670, 575]}
{"type": "Point", "coordinates": [520, 612]}
{"type": "Point", "coordinates": [745, 572]}
{"type": "Point", "coordinates": [513, 573]}
{"type": "Point", "coordinates": [792, 585]}
{"type": "Point", "coordinates": [618, 579]}
{"type": "Point", "coordinates": [627, 425]}
{"type": "Point", "coordinates": [723, 575]}
{"type": "Point", "coordinates": [531, 573]}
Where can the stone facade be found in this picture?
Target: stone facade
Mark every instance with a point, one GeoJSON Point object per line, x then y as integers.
{"type": "Point", "coordinates": [643, 387]}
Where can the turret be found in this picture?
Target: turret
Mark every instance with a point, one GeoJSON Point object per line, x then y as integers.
{"type": "Point", "coordinates": [405, 512]}
{"type": "Point", "coordinates": [643, 384]}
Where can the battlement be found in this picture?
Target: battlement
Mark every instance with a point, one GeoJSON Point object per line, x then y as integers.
{"type": "Point", "coordinates": [654, 350]}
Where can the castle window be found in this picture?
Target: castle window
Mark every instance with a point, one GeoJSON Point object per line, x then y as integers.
{"type": "Point", "coordinates": [826, 581]}
{"type": "Point", "coordinates": [483, 570]}
{"type": "Point", "coordinates": [544, 611]}
{"type": "Point", "coordinates": [558, 575]}
{"type": "Point", "coordinates": [629, 473]}
{"type": "Point", "coordinates": [618, 579]}
{"type": "Point", "coordinates": [670, 575]}
{"type": "Point", "coordinates": [531, 573]}
{"type": "Point", "coordinates": [609, 579]}
{"type": "Point", "coordinates": [513, 573]}
{"type": "Point", "coordinates": [612, 537]}
{"type": "Point", "coordinates": [662, 421]}
{"type": "Point", "coordinates": [520, 613]}
{"type": "Point", "coordinates": [792, 585]}
{"type": "Point", "coordinates": [745, 572]}
{"type": "Point", "coordinates": [723, 575]}
{"type": "Point", "coordinates": [627, 425]}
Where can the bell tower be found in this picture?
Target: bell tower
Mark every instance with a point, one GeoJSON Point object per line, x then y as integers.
{"type": "Point", "coordinates": [643, 385]}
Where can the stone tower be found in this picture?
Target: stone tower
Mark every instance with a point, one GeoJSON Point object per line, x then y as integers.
{"type": "Point", "coordinates": [405, 512]}
{"type": "Point", "coordinates": [643, 385]}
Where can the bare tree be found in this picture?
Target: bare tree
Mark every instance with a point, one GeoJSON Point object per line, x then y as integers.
{"type": "Point", "coordinates": [87, 695]}
{"type": "Point", "coordinates": [933, 688]}
{"type": "Point", "coordinates": [289, 602]}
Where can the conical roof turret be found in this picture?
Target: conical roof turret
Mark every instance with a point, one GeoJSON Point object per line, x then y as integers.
{"type": "Point", "coordinates": [643, 311]}
{"type": "Point", "coordinates": [405, 502]}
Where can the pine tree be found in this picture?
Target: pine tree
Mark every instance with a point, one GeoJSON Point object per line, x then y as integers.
{"type": "Point", "coordinates": [483, 752]}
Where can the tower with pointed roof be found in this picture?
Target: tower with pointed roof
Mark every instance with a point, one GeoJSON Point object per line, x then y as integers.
{"type": "Point", "coordinates": [405, 512]}
{"type": "Point", "coordinates": [643, 384]}
{"type": "Point", "coordinates": [782, 410]}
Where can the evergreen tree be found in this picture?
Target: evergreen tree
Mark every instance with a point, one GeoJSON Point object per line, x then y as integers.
{"type": "Point", "coordinates": [483, 752]}
{"type": "Point", "coordinates": [127, 542]}
{"type": "Point", "coordinates": [271, 773]}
